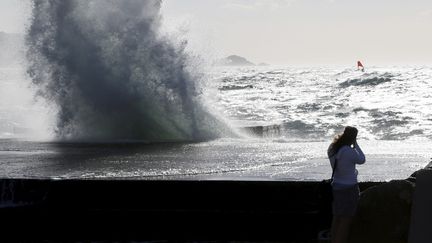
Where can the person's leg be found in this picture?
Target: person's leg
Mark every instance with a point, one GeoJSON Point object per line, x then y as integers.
{"type": "Point", "coordinates": [336, 219]}
{"type": "Point", "coordinates": [334, 228]}
{"type": "Point", "coordinates": [345, 204]}
{"type": "Point", "coordinates": [342, 230]}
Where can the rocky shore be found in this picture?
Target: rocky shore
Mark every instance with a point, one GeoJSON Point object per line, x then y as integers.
{"type": "Point", "coordinates": [386, 212]}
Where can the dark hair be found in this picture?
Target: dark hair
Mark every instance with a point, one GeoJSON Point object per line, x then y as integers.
{"type": "Point", "coordinates": [347, 138]}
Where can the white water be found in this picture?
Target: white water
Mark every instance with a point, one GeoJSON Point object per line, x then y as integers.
{"type": "Point", "coordinates": [307, 105]}
{"type": "Point", "coordinates": [314, 103]}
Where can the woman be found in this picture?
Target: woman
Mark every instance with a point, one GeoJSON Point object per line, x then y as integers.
{"type": "Point", "coordinates": [344, 154]}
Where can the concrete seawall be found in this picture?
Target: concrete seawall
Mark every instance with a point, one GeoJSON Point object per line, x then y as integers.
{"type": "Point", "coordinates": [161, 210]}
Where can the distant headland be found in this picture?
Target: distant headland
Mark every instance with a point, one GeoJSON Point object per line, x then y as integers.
{"type": "Point", "coordinates": [237, 61]}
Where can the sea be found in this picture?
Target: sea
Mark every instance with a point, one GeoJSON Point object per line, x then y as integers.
{"type": "Point", "coordinates": [284, 118]}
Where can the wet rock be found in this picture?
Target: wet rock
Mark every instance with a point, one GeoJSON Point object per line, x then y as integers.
{"type": "Point", "coordinates": [384, 213]}
{"type": "Point", "coordinates": [421, 220]}
{"type": "Point", "coordinates": [413, 177]}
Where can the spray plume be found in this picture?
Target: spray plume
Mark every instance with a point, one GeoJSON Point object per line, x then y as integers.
{"type": "Point", "coordinates": [112, 75]}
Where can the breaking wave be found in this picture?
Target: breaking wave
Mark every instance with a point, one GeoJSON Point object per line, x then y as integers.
{"type": "Point", "coordinates": [290, 129]}
{"type": "Point", "coordinates": [235, 87]}
{"type": "Point", "coordinates": [112, 75]}
{"type": "Point", "coordinates": [383, 125]}
{"type": "Point", "coordinates": [369, 79]}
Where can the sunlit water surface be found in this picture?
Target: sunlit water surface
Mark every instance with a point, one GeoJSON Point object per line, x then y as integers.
{"type": "Point", "coordinates": [298, 111]}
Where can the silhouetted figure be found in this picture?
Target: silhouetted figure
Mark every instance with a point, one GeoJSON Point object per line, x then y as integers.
{"type": "Point", "coordinates": [345, 153]}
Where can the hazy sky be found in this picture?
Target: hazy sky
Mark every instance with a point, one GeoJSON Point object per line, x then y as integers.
{"type": "Point", "coordinates": [314, 31]}
{"type": "Point", "coordinates": [295, 31]}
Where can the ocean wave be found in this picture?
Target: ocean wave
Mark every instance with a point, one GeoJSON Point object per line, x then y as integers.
{"type": "Point", "coordinates": [388, 115]}
{"type": "Point", "coordinates": [307, 107]}
{"type": "Point", "coordinates": [384, 102]}
{"type": "Point", "coordinates": [274, 73]}
{"type": "Point", "coordinates": [235, 87]}
{"type": "Point", "coordinates": [400, 135]}
{"type": "Point", "coordinates": [382, 126]}
{"type": "Point", "coordinates": [388, 124]}
{"type": "Point", "coordinates": [292, 129]}
{"type": "Point", "coordinates": [369, 79]}
{"type": "Point", "coordinates": [113, 76]}
{"type": "Point", "coordinates": [346, 71]}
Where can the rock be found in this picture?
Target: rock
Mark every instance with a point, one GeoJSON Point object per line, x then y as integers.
{"type": "Point", "coordinates": [234, 60]}
{"type": "Point", "coordinates": [413, 177]}
{"type": "Point", "coordinates": [421, 219]}
{"type": "Point", "coordinates": [384, 214]}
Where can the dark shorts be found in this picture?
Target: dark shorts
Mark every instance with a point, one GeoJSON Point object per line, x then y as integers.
{"type": "Point", "coordinates": [345, 201]}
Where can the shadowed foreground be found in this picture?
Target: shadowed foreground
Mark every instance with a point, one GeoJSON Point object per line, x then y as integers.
{"type": "Point", "coordinates": [204, 210]}
{"type": "Point", "coordinates": [161, 210]}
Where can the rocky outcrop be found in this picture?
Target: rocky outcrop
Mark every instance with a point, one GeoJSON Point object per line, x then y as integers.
{"type": "Point", "coordinates": [235, 60]}
{"type": "Point", "coordinates": [421, 220]}
{"type": "Point", "coordinates": [384, 213]}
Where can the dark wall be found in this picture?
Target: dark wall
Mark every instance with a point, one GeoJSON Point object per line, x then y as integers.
{"type": "Point", "coordinates": [162, 210]}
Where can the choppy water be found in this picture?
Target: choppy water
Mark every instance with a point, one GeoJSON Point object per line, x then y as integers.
{"type": "Point", "coordinates": [233, 159]}
{"type": "Point", "coordinates": [386, 103]}
{"type": "Point", "coordinates": [299, 109]}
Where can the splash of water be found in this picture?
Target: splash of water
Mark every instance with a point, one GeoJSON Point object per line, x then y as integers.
{"type": "Point", "coordinates": [112, 75]}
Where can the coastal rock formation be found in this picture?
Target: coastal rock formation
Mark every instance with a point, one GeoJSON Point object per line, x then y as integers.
{"type": "Point", "coordinates": [384, 213]}
{"type": "Point", "coordinates": [235, 60]}
{"type": "Point", "coordinates": [421, 219]}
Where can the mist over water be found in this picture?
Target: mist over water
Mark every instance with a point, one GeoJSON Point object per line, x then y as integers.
{"type": "Point", "coordinates": [112, 75]}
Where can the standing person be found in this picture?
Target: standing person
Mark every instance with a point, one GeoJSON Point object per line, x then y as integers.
{"type": "Point", "coordinates": [344, 154]}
